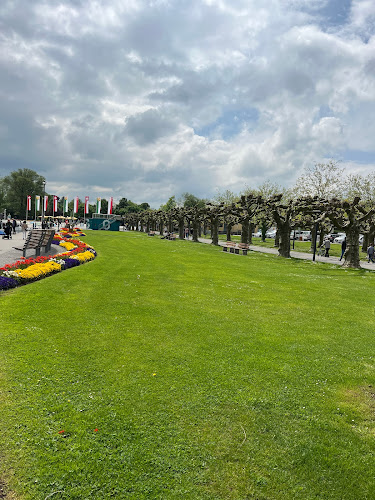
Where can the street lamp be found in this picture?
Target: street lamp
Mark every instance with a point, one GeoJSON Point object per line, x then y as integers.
{"type": "Point", "coordinates": [44, 195]}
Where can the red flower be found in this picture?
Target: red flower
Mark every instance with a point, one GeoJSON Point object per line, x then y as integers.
{"type": "Point", "coordinates": [61, 432]}
{"type": "Point", "coordinates": [96, 430]}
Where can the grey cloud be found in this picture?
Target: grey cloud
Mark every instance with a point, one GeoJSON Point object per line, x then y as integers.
{"type": "Point", "coordinates": [148, 127]}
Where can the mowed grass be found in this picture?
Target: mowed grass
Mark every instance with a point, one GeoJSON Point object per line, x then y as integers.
{"type": "Point", "coordinates": [178, 371]}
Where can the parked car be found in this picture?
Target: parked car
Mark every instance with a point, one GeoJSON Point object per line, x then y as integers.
{"type": "Point", "coordinates": [298, 235]}
{"type": "Point", "coordinates": [340, 238]}
{"type": "Point", "coordinates": [331, 237]}
{"type": "Point", "coordinates": [258, 234]}
{"type": "Point", "coordinates": [271, 233]}
{"type": "Point", "coordinates": [361, 239]}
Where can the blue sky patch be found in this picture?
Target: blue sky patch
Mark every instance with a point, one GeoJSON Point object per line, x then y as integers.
{"type": "Point", "coordinates": [230, 123]}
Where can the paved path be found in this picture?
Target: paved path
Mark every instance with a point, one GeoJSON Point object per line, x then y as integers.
{"type": "Point", "coordinates": [8, 254]}
{"type": "Point", "coordinates": [299, 255]}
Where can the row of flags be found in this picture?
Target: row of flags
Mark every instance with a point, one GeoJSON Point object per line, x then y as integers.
{"type": "Point", "coordinates": [38, 200]}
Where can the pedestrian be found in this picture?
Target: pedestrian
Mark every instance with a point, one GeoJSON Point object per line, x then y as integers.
{"type": "Point", "coordinates": [343, 248]}
{"type": "Point", "coordinates": [327, 246]}
{"type": "Point", "coordinates": [8, 230]}
{"type": "Point", "coordinates": [370, 253]}
{"type": "Point", "coordinates": [186, 232]}
{"type": "Point", "coordinates": [24, 229]}
{"type": "Point", "coordinates": [14, 225]}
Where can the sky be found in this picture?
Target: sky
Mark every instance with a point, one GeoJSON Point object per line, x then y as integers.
{"type": "Point", "coordinates": [150, 99]}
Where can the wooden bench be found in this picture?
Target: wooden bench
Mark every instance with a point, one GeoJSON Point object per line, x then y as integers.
{"type": "Point", "coordinates": [234, 248]}
{"type": "Point", "coordinates": [231, 245]}
{"type": "Point", "coordinates": [244, 247]}
{"type": "Point", "coordinates": [47, 238]}
{"type": "Point", "coordinates": [37, 239]}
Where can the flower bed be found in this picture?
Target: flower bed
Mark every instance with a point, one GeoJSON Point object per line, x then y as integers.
{"type": "Point", "coordinates": [24, 271]}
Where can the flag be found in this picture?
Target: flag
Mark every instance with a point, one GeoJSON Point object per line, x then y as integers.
{"type": "Point", "coordinates": [37, 203]}
{"type": "Point", "coordinates": [98, 205]}
{"type": "Point", "coordinates": [76, 201]}
{"type": "Point", "coordinates": [28, 206]}
{"type": "Point", "coordinates": [110, 205]}
{"type": "Point", "coordinates": [65, 204]}
{"type": "Point", "coordinates": [55, 203]}
{"type": "Point", "coordinates": [45, 204]}
{"type": "Point", "coordinates": [86, 204]}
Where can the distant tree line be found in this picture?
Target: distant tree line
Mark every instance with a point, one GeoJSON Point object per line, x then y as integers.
{"type": "Point", "coordinates": [323, 199]}
{"type": "Point", "coordinates": [15, 187]}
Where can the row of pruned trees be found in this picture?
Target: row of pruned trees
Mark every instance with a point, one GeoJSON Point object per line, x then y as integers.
{"type": "Point", "coordinates": [253, 210]}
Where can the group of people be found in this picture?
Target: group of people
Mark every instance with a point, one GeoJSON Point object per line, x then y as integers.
{"type": "Point", "coordinates": [370, 250]}
{"type": "Point", "coordinates": [9, 228]}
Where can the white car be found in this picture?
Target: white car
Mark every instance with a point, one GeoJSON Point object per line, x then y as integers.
{"type": "Point", "coordinates": [271, 234]}
{"type": "Point", "coordinates": [258, 234]}
{"type": "Point", "coordinates": [340, 238]}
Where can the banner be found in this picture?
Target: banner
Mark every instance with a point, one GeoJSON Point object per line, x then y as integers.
{"type": "Point", "coordinates": [45, 204]}
{"type": "Point", "coordinates": [86, 204]}
{"type": "Point", "coordinates": [28, 205]}
{"type": "Point", "coordinates": [98, 205]}
{"type": "Point", "coordinates": [110, 205]}
{"type": "Point", "coordinates": [65, 204]}
{"type": "Point", "coordinates": [37, 203]}
{"type": "Point", "coordinates": [55, 204]}
{"type": "Point", "coordinates": [76, 201]}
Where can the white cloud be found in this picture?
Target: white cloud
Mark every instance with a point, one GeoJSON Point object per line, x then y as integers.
{"type": "Point", "coordinates": [151, 99]}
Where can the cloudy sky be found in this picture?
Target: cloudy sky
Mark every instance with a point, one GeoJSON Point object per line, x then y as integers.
{"type": "Point", "coordinates": [149, 99]}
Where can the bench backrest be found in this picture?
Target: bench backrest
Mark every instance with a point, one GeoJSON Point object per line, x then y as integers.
{"type": "Point", "coordinates": [243, 245]}
{"type": "Point", "coordinates": [231, 243]}
{"type": "Point", "coordinates": [34, 238]}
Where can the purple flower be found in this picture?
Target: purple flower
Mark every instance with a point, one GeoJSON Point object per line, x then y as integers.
{"type": "Point", "coordinates": [6, 283]}
{"type": "Point", "coordinates": [71, 263]}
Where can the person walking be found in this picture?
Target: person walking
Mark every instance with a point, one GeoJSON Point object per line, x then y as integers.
{"type": "Point", "coordinates": [343, 248]}
{"type": "Point", "coordinates": [24, 229]}
{"type": "Point", "coordinates": [14, 225]}
{"type": "Point", "coordinates": [370, 253]}
{"type": "Point", "coordinates": [327, 246]}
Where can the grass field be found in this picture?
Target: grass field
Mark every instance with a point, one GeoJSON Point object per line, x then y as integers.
{"type": "Point", "coordinates": [173, 370]}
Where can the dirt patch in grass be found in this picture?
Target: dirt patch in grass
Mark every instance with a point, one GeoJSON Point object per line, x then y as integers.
{"type": "Point", "coordinates": [5, 494]}
{"type": "Point", "coordinates": [361, 402]}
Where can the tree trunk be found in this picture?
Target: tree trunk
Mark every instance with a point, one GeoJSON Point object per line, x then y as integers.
{"type": "Point", "coordinates": [277, 239]}
{"type": "Point", "coordinates": [264, 230]}
{"type": "Point", "coordinates": [371, 236]}
{"type": "Point", "coordinates": [245, 231]}
{"type": "Point", "coordinates": [215, 232]}
{"type": "Point", "coordinates": [181, 229]}
{"type": "Point", "coordinates": [196, 225]}
{"type": "Point", "coordinates": [284, 233]}
{"type": "Point", "coordinates": [229, 232]}
{"type": "Point", "coordinates": [251, 230]}
{"type": "Point", "coordinates": [352, 248]}
{"type": "Point", "coordinates": [205, 228]}
{"type": "Point", "coordinates": [365, 242]}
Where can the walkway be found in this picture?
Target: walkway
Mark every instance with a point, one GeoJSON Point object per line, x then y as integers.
{"type": "Point", "coordinates": [8, 254]}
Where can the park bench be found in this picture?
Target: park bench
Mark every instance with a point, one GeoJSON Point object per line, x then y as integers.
{"type": "Point", "coordinates": [37, 239]}
{"type": "Point", "coordinates": [231, 245]}
{"type": "Point", "coordinates": [244, 247]}
{"type": "Point", "coordinates": [234, 248]}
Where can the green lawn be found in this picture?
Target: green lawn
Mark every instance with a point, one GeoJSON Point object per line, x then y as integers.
{"type": "Point", "coordinates": [178, 371]}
